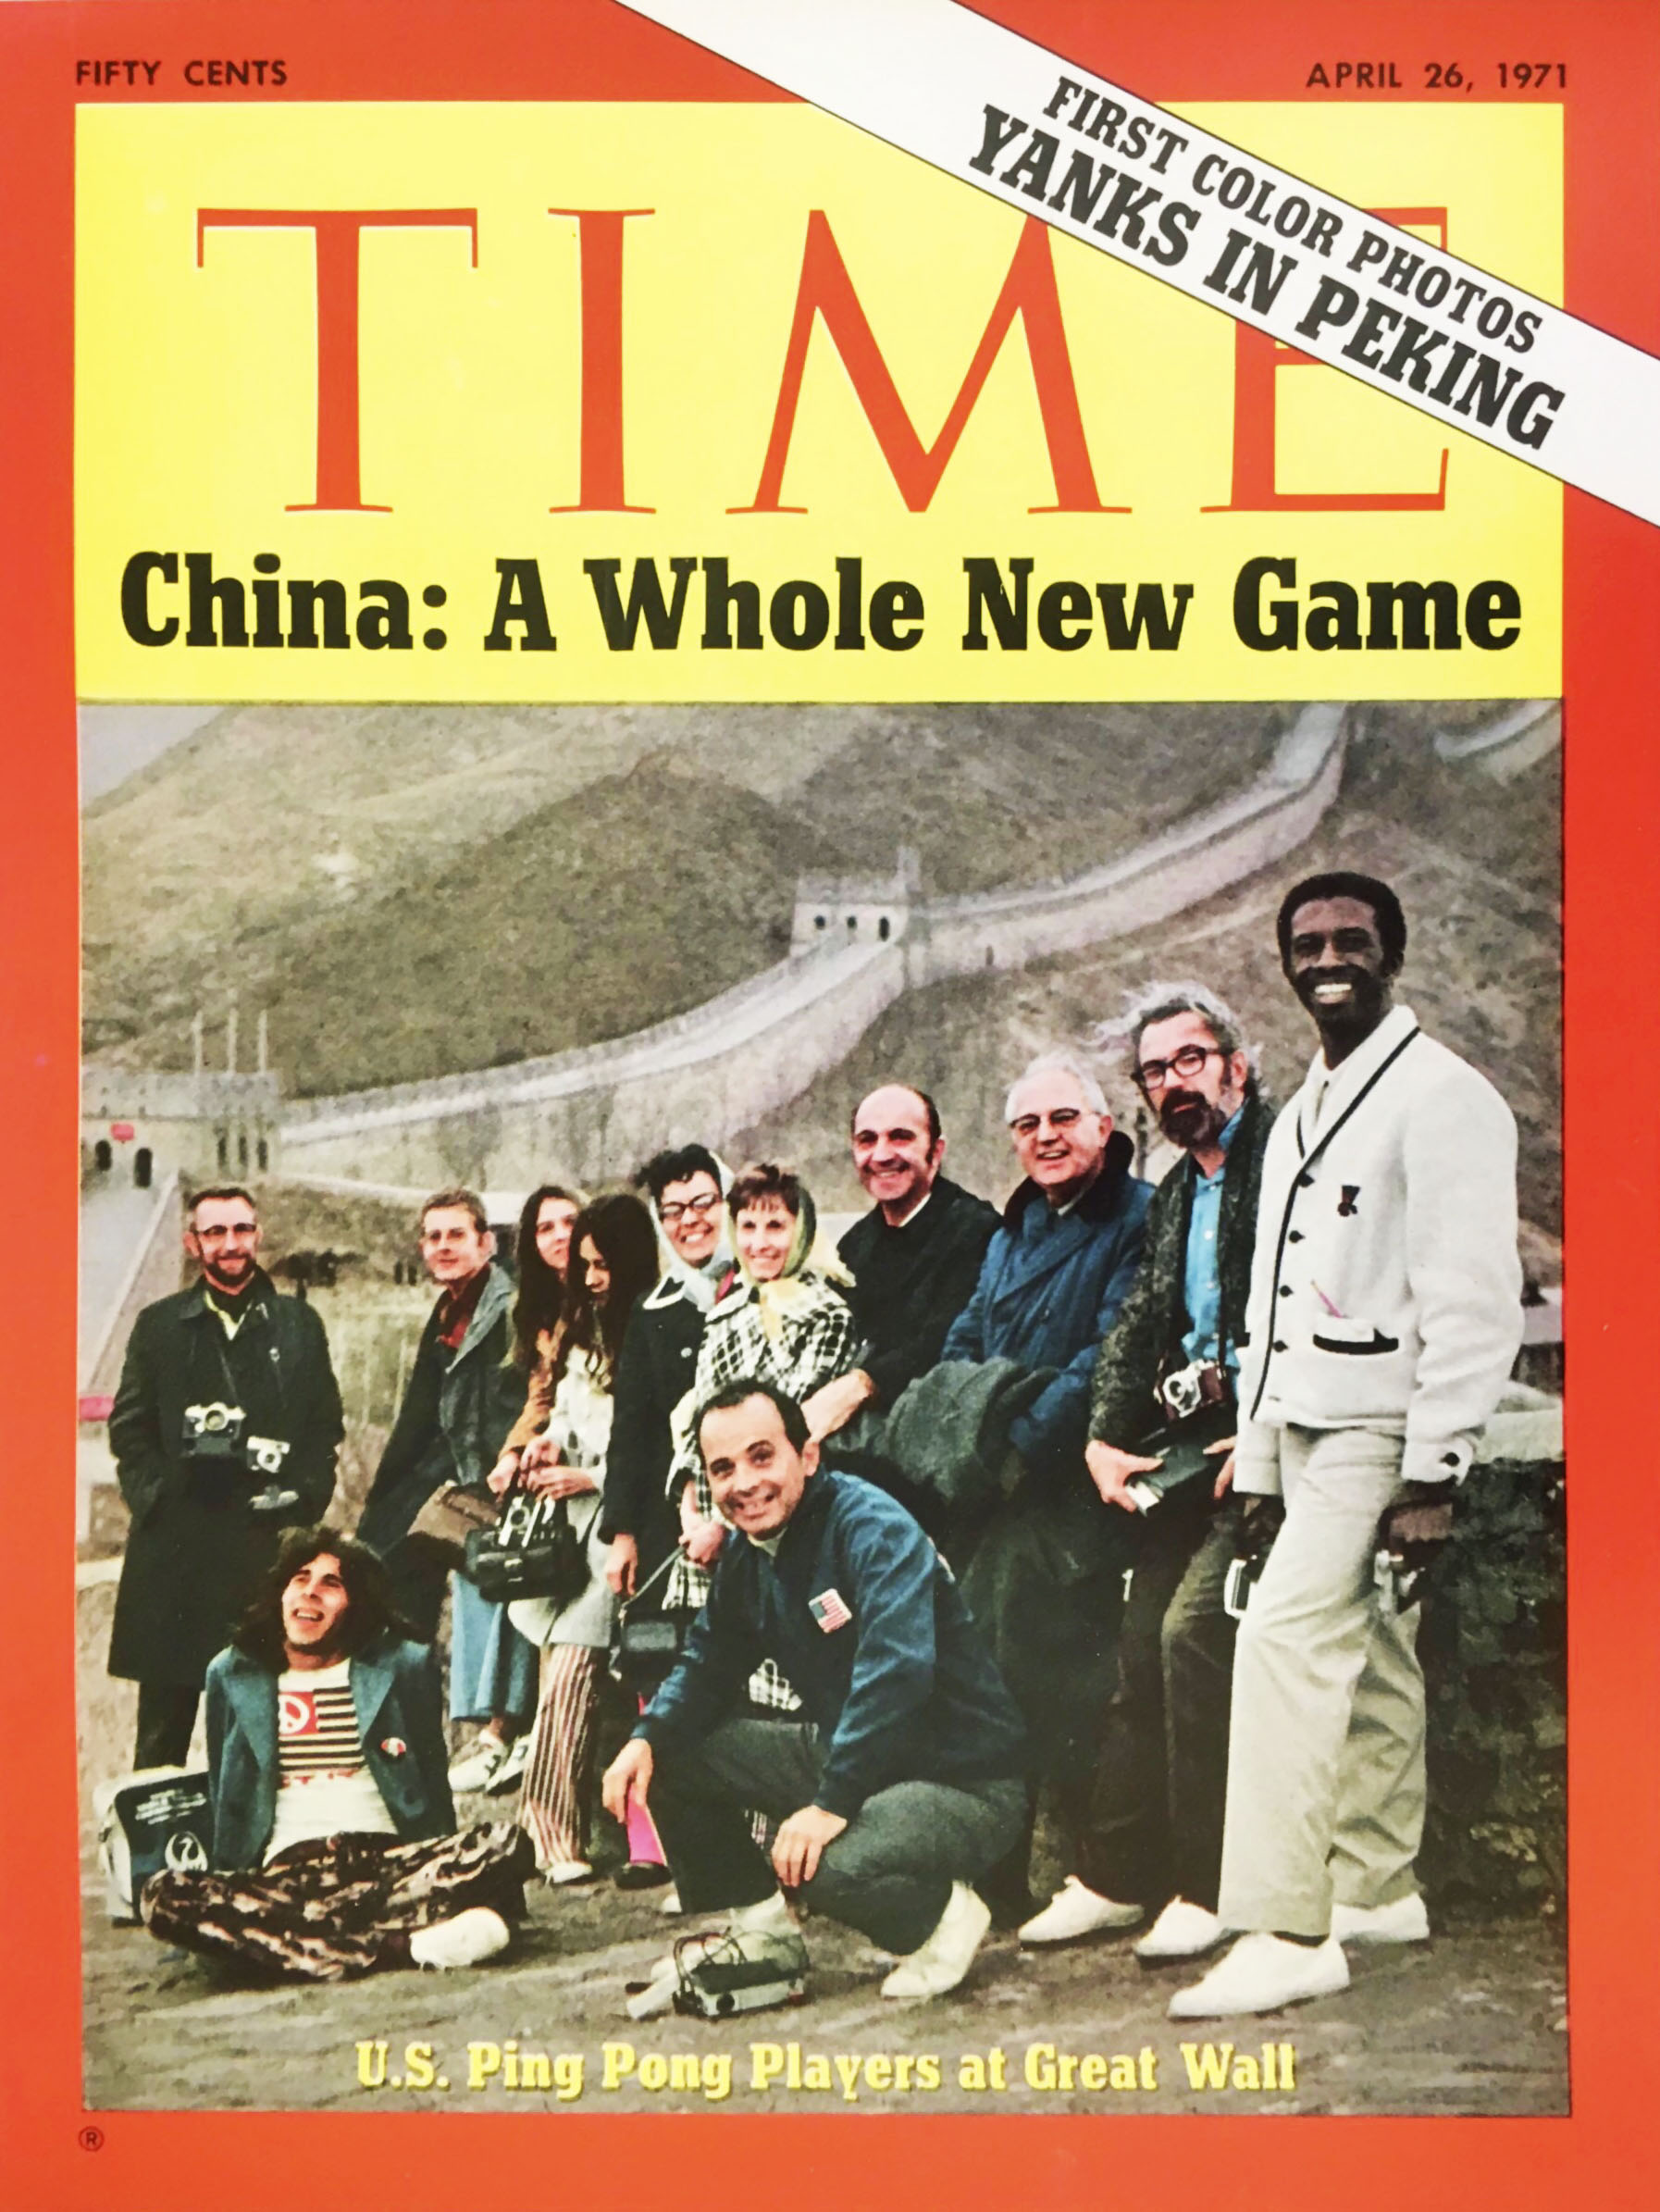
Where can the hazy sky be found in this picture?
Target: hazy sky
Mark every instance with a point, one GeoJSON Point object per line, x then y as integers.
{"type": "Point", "coordinates": [117, 739]}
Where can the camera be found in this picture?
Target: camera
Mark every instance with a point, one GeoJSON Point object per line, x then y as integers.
{"type": "Point", "coordinates": [215, 1432]}
{"type": "Point", "coordinates": [726, 1973]}
{"type": "Point", "coordinates": [1200, 1382]}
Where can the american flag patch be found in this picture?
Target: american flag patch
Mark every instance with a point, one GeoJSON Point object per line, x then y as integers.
{"type": "Point", "coordinates": [829, 1609]}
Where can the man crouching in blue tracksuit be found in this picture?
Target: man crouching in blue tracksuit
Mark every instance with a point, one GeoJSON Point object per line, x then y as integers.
{"type": "Point", "coordinates": [902, 1784]}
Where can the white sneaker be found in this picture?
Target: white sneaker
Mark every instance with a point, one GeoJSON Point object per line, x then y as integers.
{"type": "Point", "coordinates": [1075, 1910]}
{"type": "Point", "coordinates": [670, 1906]}
{"type": "Point", "coordinates": [566, 1871]}
{"type": "Point", "coordinates": [940, 1964]}
{"type": "Point", "coordinates": [468, 1940]}
{"type": "Point", "coordinates": [1405, 1922]}
{"type": "Point", "coordinates": [511, 1770]}
{"type": "Point", "coordinates": [1261, 1973]}
{"type": "Point", "coordinates": [1182, 1931]}
{"type": "Point", "coordinates": [477, 1768]}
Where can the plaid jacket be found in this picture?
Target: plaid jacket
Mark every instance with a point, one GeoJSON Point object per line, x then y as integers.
{"type": "Point", "coordinates": [815, 1343]}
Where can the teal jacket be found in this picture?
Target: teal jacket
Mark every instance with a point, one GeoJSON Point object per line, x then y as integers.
{"type": "Point", "coordinates": [398, 1699]}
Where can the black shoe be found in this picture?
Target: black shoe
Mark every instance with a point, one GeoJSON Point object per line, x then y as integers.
{"type": "Point", "coordinates": [641, 1873]}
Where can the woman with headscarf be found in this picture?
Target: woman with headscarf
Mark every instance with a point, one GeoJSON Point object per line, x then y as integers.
{"type": "Point", "coordinates": [492, 1669]}
{"type": "Point", "coordinates": [614, 1245]}
{"type": "Point", "coordinates": [780, 1317]}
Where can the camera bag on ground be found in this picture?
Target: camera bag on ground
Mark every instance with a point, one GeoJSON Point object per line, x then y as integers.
{"type": "Point", "coordinates": [158, 1817]}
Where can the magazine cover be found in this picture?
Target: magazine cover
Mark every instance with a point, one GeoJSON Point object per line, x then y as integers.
{"type": "Point", "coordinates": [798, 790]}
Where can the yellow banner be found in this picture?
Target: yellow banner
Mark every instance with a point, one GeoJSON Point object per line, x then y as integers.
{"type": "Point", "coordinates": [639, 402]}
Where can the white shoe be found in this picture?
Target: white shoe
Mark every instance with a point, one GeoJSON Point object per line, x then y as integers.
{"type": "Point", "coordinates": [936, 1968]}
{"type": "Point", "coordinates": [468, 1940]}
{"type": "Point", "coordinates": [656, 1994]}
{"type": "Point", "coordinates": [510, 1772]}
{"type": "Point", "coordinates": [670, 1904]}
{"type": "Point", "coordinates": [478, 1765]}
{"type": "Point", "coordinates": [566, 1871]}
{"type": "Point", "coordinates": [1405, 1922]}
{"type": "Point", "coordinates": [1182, 1931]}
{"type": "Point", "coordinates": [1075, 1910]}
{"type": "Point", "coordinates": [1261, 1973]}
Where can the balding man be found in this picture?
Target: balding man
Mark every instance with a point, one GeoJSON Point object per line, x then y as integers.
{"type": "Point", "coordinates": [1045, 1579]}
{"type": "Point", "coordinates": [915, 1257]}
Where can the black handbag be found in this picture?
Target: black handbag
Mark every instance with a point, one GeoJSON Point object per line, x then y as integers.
{"type": "Point", "coordinates": [646, 1644]}
{"type": "Point", "coordinates": [533, 1551]}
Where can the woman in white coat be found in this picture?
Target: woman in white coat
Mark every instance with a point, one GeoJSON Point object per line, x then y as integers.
{"type": "Point", "coordinates": [614, 1264]}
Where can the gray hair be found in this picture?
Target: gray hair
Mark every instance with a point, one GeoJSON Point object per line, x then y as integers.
{"type": "Point", "coordinates": [1160, 1002]}
{"type": "Point", "coordinates": [1059, 1063]}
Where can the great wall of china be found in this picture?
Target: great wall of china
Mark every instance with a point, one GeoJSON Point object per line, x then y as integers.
{"type": "Point", "coordinates": [855, 947]}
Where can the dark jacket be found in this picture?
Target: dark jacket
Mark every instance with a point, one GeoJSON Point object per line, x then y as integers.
{"type": "Point", "coordinates": [457, 1409]}
{"type": "Point", "coordinates": [654, 1372]}
{"type": "Point", "coordinates": [904, 1688]}
{"type": "Point", "coordinates": [195, 1552]}
{"type": "Point", "coordinates": [1048, 1292]}
{"type": "Point", "coordinates": [911, 1284]}
{"type": "Point", "coordinates": [1145, 1340]}
{"type": "Point", "coordinates": [397, 1699]}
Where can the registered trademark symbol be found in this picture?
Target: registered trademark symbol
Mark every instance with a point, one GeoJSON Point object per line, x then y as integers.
{"type": "Point", "coordinates": [90, 2139]}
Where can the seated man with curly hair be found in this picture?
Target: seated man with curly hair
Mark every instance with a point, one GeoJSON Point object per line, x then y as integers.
{"type": "Point", "coordinates": [334, 1853]}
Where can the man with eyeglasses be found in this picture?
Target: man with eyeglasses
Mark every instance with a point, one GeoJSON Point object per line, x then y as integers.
{"type": "Point", "coordinates": [1385, 1317]}
{"type": "Point", "coordinates": [224, 1429]}
{"type": "Point", "coordinates": [1161, 1419]}
{"type": "Point", "coordinates": [1045, 1580]}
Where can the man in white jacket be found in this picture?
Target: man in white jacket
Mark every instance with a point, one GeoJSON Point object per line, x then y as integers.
{"type": "Point", "coordinates": [1385, 1314]}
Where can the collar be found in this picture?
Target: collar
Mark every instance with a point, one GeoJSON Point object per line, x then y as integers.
{"type": "Point", "coordinates": [202, 1306]}
{"type": "Point", "coordinates": [456, 1307]}
{"type": "Point", "coordinates": [1335, 1087]}
{"type": "Point", "coordinates": [896, 1226]}
{"type": "Point", "coordinates": [1099, 1203]}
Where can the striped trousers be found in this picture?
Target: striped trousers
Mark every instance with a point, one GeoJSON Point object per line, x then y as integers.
{"type": "Point", "coordinates": [552, 1810]}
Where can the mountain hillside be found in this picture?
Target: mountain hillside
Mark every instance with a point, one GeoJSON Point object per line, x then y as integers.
{"type": "Point", "coordinates": [1478, 866]}
{"type": "Point", "coordinates": [418, 892]}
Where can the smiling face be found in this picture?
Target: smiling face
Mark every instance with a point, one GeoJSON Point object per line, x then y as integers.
{"type": "Point", "coordinates": [756, 1475]}
{"type": "Point", "coordinates": [1336, 965]}
{"type": "Point", "coordinates": [1193, 1104]}
{"type": "Point", "coordinates": [553, 1219]}
{"type": "Point", "coordinates": [1060, 1139]}
{"type": "Point", "coordinates": [690, 1214]}
{"type": "Point", "coordinates": [453, 1247]}
{"type": "Point", "coordinates": [892, 1153]}
{"type": "Point", "coordinates": [223, 1238]}
{"type": "Point", "coordinates": [314, 1610]}
{"type": "Point", "coordinates": [763, 1232]}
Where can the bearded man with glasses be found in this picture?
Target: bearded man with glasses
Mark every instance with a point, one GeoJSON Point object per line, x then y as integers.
{"type": "Point", "coordinates": [1161, 1419]}
{"type": "Point", "coordinates": [224, 1429]}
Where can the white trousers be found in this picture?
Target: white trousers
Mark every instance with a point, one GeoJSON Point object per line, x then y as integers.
{"type": "Point", "coordinates": [1326, 1752]}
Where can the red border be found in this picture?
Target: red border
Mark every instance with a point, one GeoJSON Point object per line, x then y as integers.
{"type": "Point", "coordinates": [545, 49]}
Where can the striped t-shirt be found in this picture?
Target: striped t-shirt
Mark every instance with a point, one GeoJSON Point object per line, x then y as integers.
{"type": "Point", "coordinates": [324, 1786]}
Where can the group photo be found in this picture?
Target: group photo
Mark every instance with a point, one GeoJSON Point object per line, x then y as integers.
{"type": "Point", "coordinates": [765, 1381]}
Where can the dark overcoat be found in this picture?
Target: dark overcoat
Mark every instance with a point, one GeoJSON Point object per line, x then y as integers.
{"type": "Point", "coordinates": [196, 1551]}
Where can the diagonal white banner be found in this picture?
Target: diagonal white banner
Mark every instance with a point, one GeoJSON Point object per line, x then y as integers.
{"type": "Point", "coordinates": [1097, 163]}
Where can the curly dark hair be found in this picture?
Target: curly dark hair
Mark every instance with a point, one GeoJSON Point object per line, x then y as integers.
{"type": "Point", "coordinates": [371, 1611]}
{"type": "Point", "coordinates": [541, 1292]}
{"type": "Point", "coordinates": [1343, 883]}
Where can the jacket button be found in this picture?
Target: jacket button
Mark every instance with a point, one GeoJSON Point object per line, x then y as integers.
{"type": "Point", "coordinates": [1296, 1237]}
{"type": "Point", "coordinates": [1285, 1290]}
{"type": "Point", "coordinates": [1279, 1344]}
